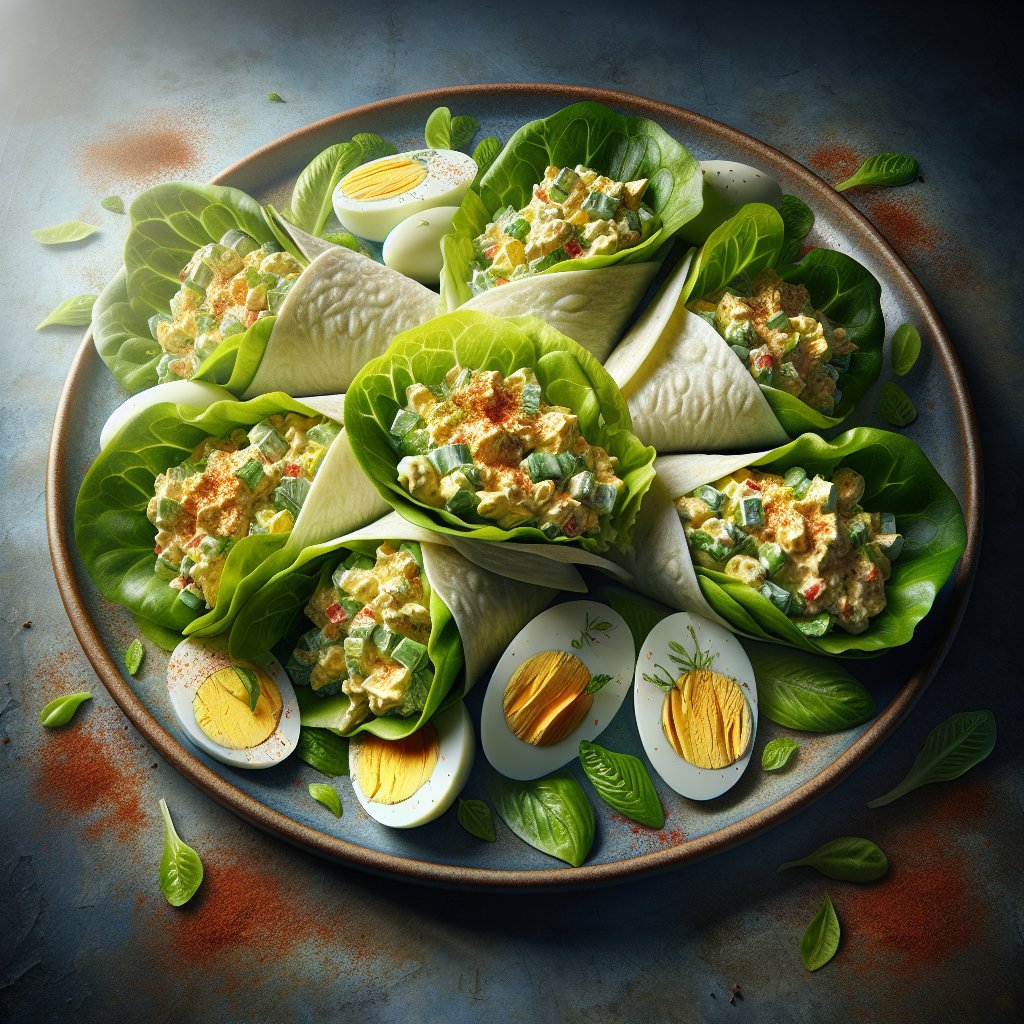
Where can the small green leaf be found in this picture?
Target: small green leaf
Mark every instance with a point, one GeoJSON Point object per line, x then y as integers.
{"type": "Point", "coordinates": [343, 239]}
{"type": "Point", "coordinates": [951, 749]}
{"type": "Point", "coordinates": [251, 683]}
{"type": "Point", "coordinates": [484, 155]}
{"type": "Point", "coordinates": [597, 683]}
{"type": "Point", "coordinates": [848, 859]}
{"type": "Point", "coordinates": [797, 217]}
{"type": "Point", "coordinates": [821, 940]}
{"type": "Point", "coordinates": [437, 132]}
{"type": "Point", "coordinates": [623, 783]}
{"type": "Point", "coordinates": [60, 711]}
{"type": "Point", "coordinates": [464, 128]}
{"type": "Point", "coordinates": [906, 347]}
{"type": "Point", "coordinates": [60, 234]}
{"type": "Point", "coordinates": [115, 204]}
{"type": "Point", "coordinates": [181, 870]}
{"type": "Point", "coordinates": [883, 169]}
{"type": "Point", "coordinates": [73, 312]}
{"type": "Point", "coordinates": [323, 750]}
{"type": "Point", "coordinates": [275, 97]}
{"type": "Point", "coordinates": [777, 753]}
{"type": "Point", "coordinates": [475, 817]}
{"type": "Point", "coordinates": [895, 405]}
{"type": "Point", "coordinates": [326, 795]}
{"type": "Point", "coordinates": [133, 656]}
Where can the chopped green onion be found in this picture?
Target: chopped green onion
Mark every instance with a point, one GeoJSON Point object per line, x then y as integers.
{"type": "Point", "coordinates": [251, 473]}
{"type": "Point", "coordinates": [751, 510]}
{"type": "Point", "coordinates": [409, 653]}
{"type": "Point", "coordinates": [713, 498]}
{"type": "Point", "coordinates": [603, 500]}
{"type": "Point", "coordinates": [772, 557]}
{"type": "Point", "coordinates": [190, 600]}
{"type": "Point", "coordinates": [632, 219]}
{"type": "Point", "coordinates": [449, 457]}
{"type": "Point", "coordinates": [545, 262]}
{"type": "Point", "coordinates": [569, 464]}
{"type": "Point", "coordinates": [581, 486]}
{"type": "Point", "coordinates": [703, 541]}
{"type": "Point", "coordinates": [404, 421]}
{"type": "Point", "coordinates": [778, 321]}
{"type": "Point", "coordinates": [599, 206]}
{"type": "Point", "coordinates": [290, 494]}
{"type": "Point", "coordinates": [541, 466]}
{"type": "Point", "coordinates": [557, 194]}
{"type": "Point", "coordinates": [185, 569]}
{"type": "Point", "coordinates": [462, 503]}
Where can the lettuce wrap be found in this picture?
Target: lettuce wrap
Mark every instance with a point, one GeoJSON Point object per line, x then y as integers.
{"type": "Point", "coordinates": [898, 478]}
{"type": "Point", "coordinates": [116, 539]}
{"type": "Point", "coordinates": [568, 376]}
{"type": "Point", "coordinates": [474, 615]}
{"type": "Point", "coordinates": [686, 388]}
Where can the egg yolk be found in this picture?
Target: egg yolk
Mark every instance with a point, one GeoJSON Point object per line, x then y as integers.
{"type": "Point", "coordinates": [383, 179]}
{"type": "Point", "coordinates": [221, 707]}
{"type": "Point", "coordinates": [390, 771]}
{"type": "Point", "coordinates": [706, 719]}
{"type": "Point", "coordinates": [545, 698]}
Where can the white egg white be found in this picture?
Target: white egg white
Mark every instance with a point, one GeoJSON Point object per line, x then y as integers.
{"type": "Point", "coordinates": [413, 247]}
{"type": "Point", "coordinates": [728, 186]}
{"type": "Point", "coordinates": [730, 660]}
{"type": "Point", "coordinates": [438, 793]}
{"type": "Point", "coordinates": [195, 393]}
{"type": "Point", "coordinates": [193, 662]}
{"type": "Point", "coordinates": [609, 653]}
{"type": "Point", "coordinates": [449, 175]}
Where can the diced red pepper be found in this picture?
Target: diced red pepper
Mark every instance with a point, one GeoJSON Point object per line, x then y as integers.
{"type": "Point", "coordinates": [251, 317]}
{"type": "Point", "coordinates": [492, 252]}
{"type": "Point", "coordinates": [336, 613]}
{"type": "Point", "coordinates": [573, 248]}
{"type": "Point", "coordinates": [540, 194]}
{"type": "Point", "coordinates": [570, 528]}
{"type": "Point", "coordinates": [292, 469]}
{"type": "Point", "coordinates": [813, 590]}
{"type": "Point", "coordinates": [753, 485]}
{"type": "Point", "coordinates": [846, 610]}
{"type": "Point", "coordinates": [872, 574]}
{"type": "Point", "coordinates": [194, 542]}
{"type": "Point", "coordinates": [157, 549]}
{"type": "Point", "coordinates": [501, 280]}
{"type": "Point", "coordinates": [765, 361]}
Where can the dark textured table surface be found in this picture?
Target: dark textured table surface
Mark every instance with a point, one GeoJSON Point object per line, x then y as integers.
{"type": "Point", "coordinates": [101, 98]}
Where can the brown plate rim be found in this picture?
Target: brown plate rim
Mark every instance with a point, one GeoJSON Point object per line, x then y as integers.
{"type": "Point", "coordinates": [377, 862]}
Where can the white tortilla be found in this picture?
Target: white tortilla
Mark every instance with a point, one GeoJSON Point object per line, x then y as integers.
{"type": "Point", "coordinates": [589, 306]}
{"type": "Point", "coordinates": [684, 386]}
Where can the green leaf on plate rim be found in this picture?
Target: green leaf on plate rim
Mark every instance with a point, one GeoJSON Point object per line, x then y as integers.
{"type": "Point", "coordinates": [778, 753]}
{"type": "Point", "coordinates": [133, 656]}
{"type": "Point", "coordinates": [475, 817]}
{"type": "Point", "coordinates": [326, 795]}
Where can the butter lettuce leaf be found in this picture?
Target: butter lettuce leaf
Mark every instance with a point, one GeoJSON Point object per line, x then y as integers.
{"type": "Point", "coordinates": [568, 374]}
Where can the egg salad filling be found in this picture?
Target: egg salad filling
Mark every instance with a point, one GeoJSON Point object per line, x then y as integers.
{"type": "Point", "coordinates": [225, 288]}
{"type": "Point", "coordinates": [804, 542]}
{"type": "Point", "coordinates": [486, 447]}
{"type": "Point", "coordinates": [572, 213]}
{"type": "Point", "coordinates": [370, 642]}
{"type": "Point", "coordinates": [253, 481]}
{"type": "Point", "coordinates": [782, 339]}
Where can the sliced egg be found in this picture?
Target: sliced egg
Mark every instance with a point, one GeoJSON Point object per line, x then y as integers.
{"type": "Point", "coordinates": [413, 248]}
{"type": "Point", "coordinates": [196, 393]}
{"type": "Point", "coordinates": [538, 690]}
{"type": "Point", "coordinates": [727, 187]}
{"type": "Point", "coordinates": [699, 736]}
{"type": "Point", "coordinates": [211, 703]}
{"type": "Point", "coordinates": [408, 782]}
{"type": "Point", "coordinates": [374, 197]}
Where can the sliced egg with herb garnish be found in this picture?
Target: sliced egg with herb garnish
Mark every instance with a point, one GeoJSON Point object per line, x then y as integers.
{"type": "Point", "coordinates": [408, 782]}
{"type": "Point", "coordinates": [195, 393]}
{"type": "Point", "coordinates": [696, 705]}
{"type": "Point", "coordinates": [240, 713]}
{"type": "Point", "coordinates": [728, 186]}
{"type": "Point", "coordinates": [561, 680]}
{"type": "Point", "coordinates": [374, 197]}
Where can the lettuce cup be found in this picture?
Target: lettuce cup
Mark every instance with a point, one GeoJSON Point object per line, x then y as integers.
{"type": "Point", "coordinates": [187, 511]}
{"type": "Point", "coordinates": [587, 191]}
{"type": "Point", "coordinates": [738, 351]}
{"type": "Point", "coordinates": [383, 628]}
{"type": "Point", "coordinates": [837, 548]}
{"type": "Point", "coordinates": [499, 429]}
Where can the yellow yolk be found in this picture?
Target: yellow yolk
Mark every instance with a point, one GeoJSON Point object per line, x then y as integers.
{"type": "Point", "coordinates": [545, 699]}
{"type": "Point", "coordinates": [707, 719]}
{"type": "Point", "coordinates": [221, 707]}
{"type": "Point", "coordinates": [383, 179]}
{"type": "Point", "coordinates": [390, 771]}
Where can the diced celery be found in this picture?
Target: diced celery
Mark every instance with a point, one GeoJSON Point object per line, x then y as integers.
{"type": "Point", "coordinates": [212, 546]}
{"type": "Point", "coordinates": [505, 214]}
{"type": "Point", "coordinates": [795, 476]}
{"type": "Point", "coordinates": [751, 510]}
{"type": "Point", "coordinates": [603, 499]}
{"type": "Point", "coordinates": [450, 456]}
{"type": "Point", "coordinates": [778, 321]}
{"type": "Point", "coordinates": [541, 466]}
{"type": "Point", "coordinates": [701, 540]}
{"type": "Point", "coordinates": [581, 486]}
{"type": "Point", "coordinates": [887, 523]}
{"type": "Point", "coordinates": [632, 219]}
{"type": "Point", "coordinates": [363, 631]}
{"type": "Point", "coordinates": [557, 194]}
{"type": "Point", "coordinates": [779, 596]}
{"type": "Point", "coordinates": [599, 206]}
{"type": "Point", "coordinates": [230, 326]}
{"type": "Point", "coordinates": [820, 625]}
{"type": "Point", "coordinates": [409, 653]}
{"type": "Point", "coordinates": [859, 531]}
{"type": "Point", "coordinates": [239, 241]}
{"type": "Point", "coordinates": [569, 464]}
{"type": "Point", "coordinates": [566, 179]}
{"type": "Point", "coordinates": [713, 498]}
{"type": "Point", "coordinates": [190, 600]}
{"type": "Point", "coordinates": [772, 557]}
{"type": "Point", "coordinates": [385, 639]}
{"type": "Point", "coordinates": [155, 321]}
{"type": "Point", "coordinates": [205, 346]}
{"type": "Point", "coordinates": [167, 510]}
{"type": "Point", "coordinates": [551, 530]}
{"type": "Point", "coordinates": [323, 433]}
{"type": "Point", "coordinates": [830, 371]}
{"type": "Point", "coordinates": [251, 473]}
{"type": "Point", "coordinates": [404, 421]}
{"type": "Point", "coordinates": [164, 569]}
{"type": "Point", "coordinates": [165, 372]}
{"type": "Point", "coordinates": [471, 474]}
{"type": "Point", "coordinates": [531, 399]}
{"type": "Point", "coordinates": [266, 437]}
{"type": "Point", "coordinates": [355, 647]}
{"type": "Point", "coordinates": [791, 343]}
{"type": "Point", "coordinates": [290, 493]}
{"type": "Point", "coordinates": [545, 262]}
{"type": "Point", "coordinates": [462, 378]}
{"type": "Point", "coordinates": [462, 503]}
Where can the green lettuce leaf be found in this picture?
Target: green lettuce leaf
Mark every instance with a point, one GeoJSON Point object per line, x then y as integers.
{"type": "Point", "coordinates": [898, 478]}
{"type": "Point", "coordinates": [568, 374]}
{"type": "Point", "coordinates": [625, 148]}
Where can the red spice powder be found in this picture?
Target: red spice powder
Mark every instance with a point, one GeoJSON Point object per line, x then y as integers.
{"type": "Point", "coordinates": [902, 227]}
{"type": "Point", "coordinates": [836, 162]}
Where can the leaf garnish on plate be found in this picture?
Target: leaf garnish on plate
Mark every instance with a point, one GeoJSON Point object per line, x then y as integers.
{"type": "Point", "coordinates": [61, 710]}
{"type": "Point", "coordinates": [73, 312]}
{"type": "Point", "coordinates": [623, 783]}
{"type": "Point", "coordinates": [275, 97]}
{"type": "Point", "coordinates": [61, 234]}
{"type": "Point", "coordinates": [323, 750]}
{"type": "Point", "coordinates": [895, 405]}
{"type": "Point", "coordinates": [475, 817]}
{"type": "Point", "coordinates": [778, 753]}
{"type": "Point", "coordinates": [883, 169]}
{"type": "Point", "coordinates": [906, 347]}
{"type": "Point", "coordinates": [326, 795]}
{"type": "Point", "coordinates": [181, 870]}
{"type": "Point", "coordinates": [847, 859]}
{"type": "Point", "coordinates": [115, 204]}
{"type": "Point", "coordinates": [133, 656]}
{"type": "Point", "coordinates": [821, 940]}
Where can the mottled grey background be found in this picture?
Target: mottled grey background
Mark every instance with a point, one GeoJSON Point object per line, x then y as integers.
{"type": "Point", "coordinates": [100, 98]}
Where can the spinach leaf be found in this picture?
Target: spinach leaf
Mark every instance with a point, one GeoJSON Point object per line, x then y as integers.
{"type": "Point", "coordinates": [778, 753]}
{"type": "Point", "coordinates": [311, 198]}
{"type": "Point", "coordinates": [181, 870]}
{"type": "Point", "coordinates": [73, 312]}
{"type": "Point", "coordinates": [326, 795]}
{"type": "Point", "coordinates": [475, 817]}
{"type": "Point", "coordinates": [906, 347]}
{"type": "Point", "coordinates": [798, 220]}
{"type": "Point", "coordinates": [552, 814]}
{"type": "Point", "coordinates": [443, 131]}
{"type": "Point", "coordinates": [623, 783]}
{"type": "Point", "coordinates": [821, 940]}
{"type": "Point", "coordinates": [883, 169]}
{"type": "Point", "coordinates": [61, 710]}
{"type": "Point", "coordinates": [133, 656]}
{"type": "Point", "coordinates": [951, 749]}
{"type": "Point", "coordinates": [115, 204]}
{"type": "Point", "coordinates": [61, 234]}
{"type": "Point", "coordinates": [848, 859]}
{"type": "Point", "coordinates": [895, 405]}
{"type": "Point", "coordinates": [484, 155]}
{"type": "Point", "coordinates": [798, 691]}
{"type": "Point", "coordinates": [323, 750]}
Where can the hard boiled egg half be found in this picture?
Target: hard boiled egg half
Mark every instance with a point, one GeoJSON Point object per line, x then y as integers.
{"type": "Point", "coordinates": [414, 247]}
{"type": "Point", "coordinates": [196, 393]}
{"type": "Point", "coordinates": [374, 197]}
{"type": "Point", "coordinates": [696, 705]}
{"type": "Point", "coordinates": [408, 782]}
{"type": "Point", "coordinates": [211, 699]}
{"type": "Point", "coordinates": [561, 680]}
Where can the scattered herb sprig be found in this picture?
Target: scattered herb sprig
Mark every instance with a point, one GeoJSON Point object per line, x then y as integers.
{"type": "Point", "coordinates": [181, 870]}
{"type": "Point", "coordinates": [326, 795]}
{"type": "Point", "coordinates": [475, 817]}
{"type": "Point", "coordinates": [883, 169]}
{"type": "Point", "coordinates": [778, 753]}
{"type": "Point", "coordinates": [821, 939]}
{"type": "Point", "coordinates": [847, 859]}
{"type": "Point", "coordinates": [73, 312]}
{"type": "Point", "coordinates": [590, 628]}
